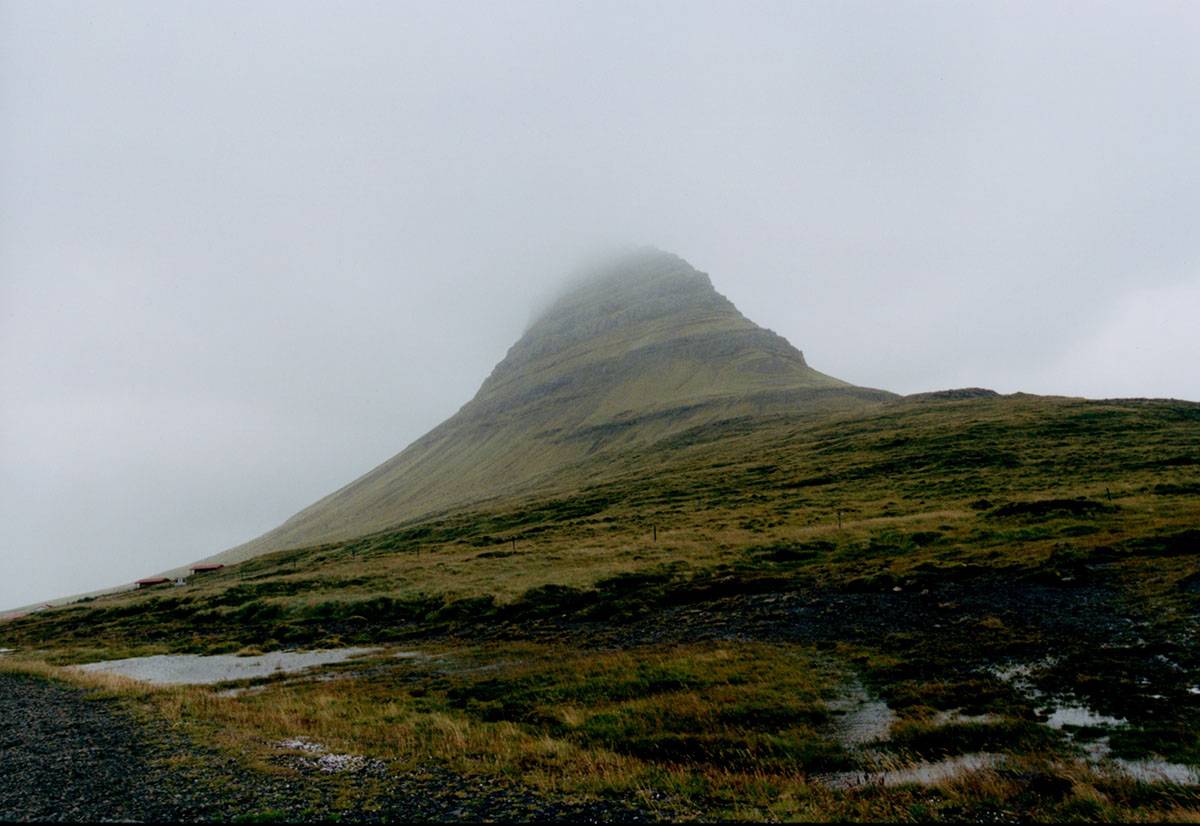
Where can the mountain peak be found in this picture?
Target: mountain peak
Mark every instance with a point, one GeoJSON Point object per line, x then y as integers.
{"type": "Point", "coordinates": [650, 313]}
{"type": "Point", "coordinates": [644, 271]}
{"type": "Point", "coordinates": [625, 290]}
{"type": "Point", "coordinates": [633, 350]}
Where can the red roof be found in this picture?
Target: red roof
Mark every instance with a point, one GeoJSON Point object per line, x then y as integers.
{"type": "Point", "coordinates": [208, 566]}
{"type": "Point", "coordinates": [153, 580]}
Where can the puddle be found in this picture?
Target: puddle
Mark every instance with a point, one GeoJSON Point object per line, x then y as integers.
{"type": "Point", "coordinates": [868, 723]}
{"type": "Point", "coordinates": [328, 677]}
{"type": "Point", "coordinates": [1080, 717]}
{"type": "Point", "coordinates": [1066, 715]}
{"type": "Point", "coordinates": [1143, 770]}
{"type": "Point", "coordinates": [196, 669]}
{"type": "Point", "coordinates": [1096, 750]}
{"type": "Point", "coordinates": [1159, 771]}
{"type": "Point", "coordinates": [865, 722]}
{"type": "Point", "coordinates": [862, 720]}
{"type": "Point", "coordinates": [1060, 713]}
{"type": "Point", "coordinates": [924, 773]}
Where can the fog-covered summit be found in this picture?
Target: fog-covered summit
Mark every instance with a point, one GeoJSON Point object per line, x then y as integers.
{"type": "Point", "coordinates": [646, 314]}
{"type": "Point", "coordinates": [633, 350]}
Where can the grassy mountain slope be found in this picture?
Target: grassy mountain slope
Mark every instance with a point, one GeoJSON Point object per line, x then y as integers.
{"type": "Point", "coordinates": [658, 558]}
{"type": "Point", "coordinates": [1120, 471]}
{"type": "Point", "coordinates": [643, 348]}
{"type": "Point", "coordinates": [683, 621]}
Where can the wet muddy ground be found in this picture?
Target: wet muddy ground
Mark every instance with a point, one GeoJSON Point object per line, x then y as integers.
{"type": "Point", "coordinates": [1093, 661]}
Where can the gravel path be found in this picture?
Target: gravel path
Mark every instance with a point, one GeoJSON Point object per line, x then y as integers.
{"type": "Point", "coordinates": [67, 755]}
{"type": "Point", "coordinates": [67, 758]}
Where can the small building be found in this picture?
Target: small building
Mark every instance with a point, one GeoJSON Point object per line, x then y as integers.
{"type": "Point", "coordinates": [151, 581]}
{"type": "Point", "coordinates": [206, 567]}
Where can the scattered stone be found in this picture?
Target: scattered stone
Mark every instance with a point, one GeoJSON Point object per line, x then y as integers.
{"type": "Point", "coordinates": [302, 744]}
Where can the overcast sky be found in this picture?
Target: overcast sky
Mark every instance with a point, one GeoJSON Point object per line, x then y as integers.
{"type": "Point", "coordinates": [250, 250]}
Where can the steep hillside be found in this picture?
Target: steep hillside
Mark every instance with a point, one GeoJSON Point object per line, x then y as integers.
{"type": "Point", "coordinates": [638, 350]}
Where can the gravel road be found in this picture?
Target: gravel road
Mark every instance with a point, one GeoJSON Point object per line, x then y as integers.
{"type": "Point", "coordinates": [65, 757]}
{"type": "Point", "coordinates": [68, 755]}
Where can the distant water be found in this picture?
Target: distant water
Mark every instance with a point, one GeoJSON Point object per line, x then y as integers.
{"type": "Point", "coordinates": [195, 669]}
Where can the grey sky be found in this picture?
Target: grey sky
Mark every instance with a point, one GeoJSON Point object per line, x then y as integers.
{"type": "Point", "coordinates": [248, 251]}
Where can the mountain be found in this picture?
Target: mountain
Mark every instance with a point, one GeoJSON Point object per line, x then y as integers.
{"type": "Point", "coordinates": [658, 543]}
{"type": "Point", "coordinates": [636, 350]}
